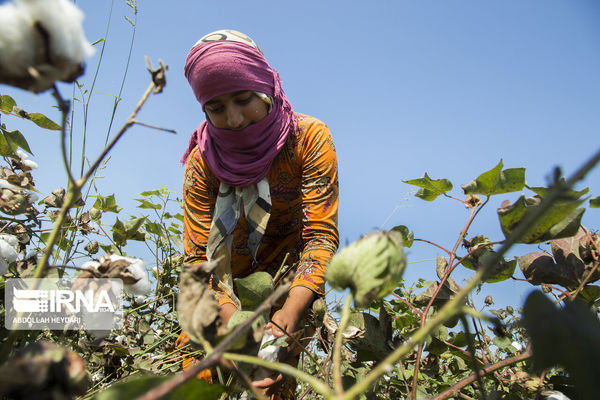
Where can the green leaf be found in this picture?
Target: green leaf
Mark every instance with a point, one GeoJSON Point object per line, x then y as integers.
{"type": "Point", "coordinates": [370, 344]}
{"type": "Point", "coordinates": [502, 342]}
{"type": "Point", "coordinates": [589, 294]}
{"type": "Point", "coordinates": [461, 339]}
{"type": "Point", "coordinates": [112, 249]}
{"type": "Point", "coordinates": [146, 204]}
{"type": "Point", "coordinates": [407, 235]}
{"type": "Point", "coordinates": [595, 202]}
{"type": "Point", "coordinates": [501, 271]}
{"type": "Point", "coordinates": [101, 40]}
{"type": "Point", "coordinates": [574, 194]}
{"type": "Point", "coordinates": [569, 337]}
{"type": "Point", "coordinates": [562, 220]}
{"type": "Point", "coordinates": [44, 122]}
{"type": "Point", "coordinates": [153, 227]}
{"type": "Point", "coordinates": [6, 149]}
{"type": "Point", "coordinates": [10, 141]}
{"type": "Point", "coordinates": [175, 231]}
{"type": "Point", "coordinates": [107, 204]}
{"type": "Point", "coordinates": [497, 181]}
{"type": "Point", "coordinates": [148, 193]}
{"type": "Point", "coordinates": [280, 341]}
{"type": "Point", "coordinates": [133, 225]}
{"type": "Point", "coordinates": [119, 233]}
{"type": "Point", "coordinates": [7, 103]}
{"type": "Point", "coordinates": [194, 389]}
{"type": "Point", "coordinates": [254, 289]}
{"type": "Point", "coordinates": [430, 189]}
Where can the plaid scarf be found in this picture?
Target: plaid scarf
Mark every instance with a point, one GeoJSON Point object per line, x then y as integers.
{"type": "Point", "coordinates": [255, 200]}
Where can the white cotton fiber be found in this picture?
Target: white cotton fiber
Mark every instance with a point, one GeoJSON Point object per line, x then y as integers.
{"type": "Point", "coordinates": [62, 19]}
{"type": "Point", "coordinates": [15, 33]}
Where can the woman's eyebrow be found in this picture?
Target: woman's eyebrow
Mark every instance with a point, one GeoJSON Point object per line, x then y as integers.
{"type": "Point", "coordinates": [233, 94]}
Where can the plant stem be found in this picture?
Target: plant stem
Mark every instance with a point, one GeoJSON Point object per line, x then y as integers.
{"type": "Point", "coordinates": [473, 356]}
{"type": "Point", "coordinates": [317, 385]}
{"type": "Point", "coordinates": [452, 254]}
{"type": "Point", "coordinates": [485, 370]}
{"type": "Point", "coordinates": [118, 136]}
{"type": "Point", "coordinates": [339, 343]}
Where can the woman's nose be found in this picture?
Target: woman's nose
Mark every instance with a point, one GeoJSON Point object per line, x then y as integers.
{"type": "Point", "coordinates": [235, 118]}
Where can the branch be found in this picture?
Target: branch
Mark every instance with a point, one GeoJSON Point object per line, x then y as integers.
{"type": "Point", "coordinates": [317, 384]}
{"type": "Point", "coordinates": [158, 128]}
{"type": "Point", "coordinates": [339, 342]}
{"type": "Point", "coordinates": [485, 370]}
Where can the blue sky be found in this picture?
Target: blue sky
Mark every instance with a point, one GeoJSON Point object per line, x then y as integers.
{"type": "Point", "coordinates": [406, 87]}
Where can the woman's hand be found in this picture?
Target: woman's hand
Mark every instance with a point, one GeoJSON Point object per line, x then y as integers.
{"type": "Point", "coordinates": [226, 312]}
{"type": "Point", "coordinates": [287, 318]}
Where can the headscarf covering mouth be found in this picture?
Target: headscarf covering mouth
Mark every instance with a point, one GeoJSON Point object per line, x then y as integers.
{"type": "Point", "coordinates": [224, 62]}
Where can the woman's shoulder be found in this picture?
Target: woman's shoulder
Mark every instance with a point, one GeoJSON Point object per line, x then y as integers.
{"type": "Point", "coordinates": [307, 122]}
{"type": "Point", "coordinates": [196, 165]}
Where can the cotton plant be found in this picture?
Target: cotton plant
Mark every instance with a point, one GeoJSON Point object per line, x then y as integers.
{"type": "Point", "coordinates": [8, 251]}
{"type": "Point", "coordinates": [41, 41]}
{"type": "Point", "coordinates": [133, 272]}
{"type": "Point", "coordinates": [25, 164]}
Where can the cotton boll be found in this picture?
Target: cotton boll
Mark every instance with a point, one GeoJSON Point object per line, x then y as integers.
{"type": "Point", "coordinates": [137, 268]}
{"type": "Point", "coordinates": [4, 184]}
{"type": "Point", "coordinates": [90, 265]}
{"type": "Point", "coordinates": [30, 165]}
{"type": "Point", "coordinates": [31, 196]}
{"type": "Point", "coordinates": [16, 37]}
{"type": "Point", "coordinates": [62, 19]}
{"type": "Point", "coordinates": [8, 247]}
{"type": "Point", "coordinates": [20, 153]}
{"type": "Point", "coordinates": [41, 41]}
{"type": "Point", "coordinates": [3, 266]}
{"type": "Point", "coordinates": [31, 253]}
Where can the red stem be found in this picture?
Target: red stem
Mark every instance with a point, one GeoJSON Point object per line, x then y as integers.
{"type": "Point", "coordinates": [485, 370]}
{"type": "Point", "coordinates": [463, 233]}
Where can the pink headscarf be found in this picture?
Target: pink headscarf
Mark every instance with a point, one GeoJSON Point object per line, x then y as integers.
{"type": "Point", "coordinates": [241, 157]}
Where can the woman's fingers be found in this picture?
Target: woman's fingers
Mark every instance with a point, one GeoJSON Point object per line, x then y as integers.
{"type": "Point", "coordinates": [268, 381]}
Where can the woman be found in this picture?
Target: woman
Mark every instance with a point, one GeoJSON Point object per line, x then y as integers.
{"type": "Point", "coordinates": [260, 180]}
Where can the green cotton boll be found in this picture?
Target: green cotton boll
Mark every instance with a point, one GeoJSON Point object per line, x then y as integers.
{"type": "Point", "coordinates": [371, 267]}
{"type": "Point", "coordinates": [247, 343]}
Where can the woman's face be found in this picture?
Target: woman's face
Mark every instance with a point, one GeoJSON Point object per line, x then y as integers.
{"type": "Point", "coordinates": [235, 110]}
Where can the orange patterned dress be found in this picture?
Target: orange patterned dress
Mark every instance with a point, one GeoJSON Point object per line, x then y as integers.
{"type": "Point", "coordinates": [304, 193]}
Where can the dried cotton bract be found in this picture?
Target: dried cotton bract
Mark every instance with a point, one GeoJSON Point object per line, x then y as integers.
{"type": "Point", "coordinates": [371, 267]}
{"type": "Point", "coordinates": [197, 308]}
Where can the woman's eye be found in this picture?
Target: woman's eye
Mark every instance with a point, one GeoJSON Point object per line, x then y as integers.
{"type": "Point", "coordinates": [244, 99]}
{"type": "Point", "coordinates": [215, 109]}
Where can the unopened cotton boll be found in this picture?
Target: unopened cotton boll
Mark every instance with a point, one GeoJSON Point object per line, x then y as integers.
{"type": "Point", "coordinates": [41, 41]}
